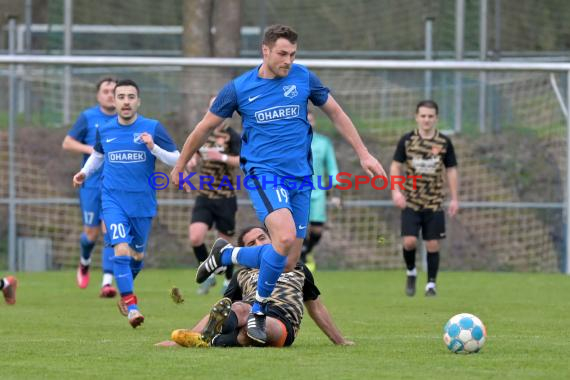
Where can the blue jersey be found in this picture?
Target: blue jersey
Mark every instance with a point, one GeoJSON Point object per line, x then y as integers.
{"type": "Point", "coordinates": [129, 163]}
{"type": "Point", "coordinates": [276, 135]}
{"type": "Point", "coordinates": [85, 131]}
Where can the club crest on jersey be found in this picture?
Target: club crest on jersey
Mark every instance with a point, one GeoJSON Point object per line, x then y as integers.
{"type": "Point", "coordinates": [290, 91]}
{"type": "Point", "coordinates": [137, 138]}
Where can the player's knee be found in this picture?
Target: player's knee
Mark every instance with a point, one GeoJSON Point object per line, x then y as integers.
{"type": "Point", "coordinates": [432, 245]}
{"type": "Point", "coordinates": [242, 311]}
{"type": "Point", "coordinates": [410, 243]}
{"type": "Point", "coordinates": [138, 256]}
{"type": "Point", "coordinates": [243, 339]}
{"type": "Point", "coordinates": [285, 241]}
{"type": "Point", "coordinates": [122, 249]}
{"type": "Point", "coordinates": [196, 240]}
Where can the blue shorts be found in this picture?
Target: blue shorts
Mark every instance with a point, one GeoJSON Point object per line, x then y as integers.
{"type": "Point", "coordinates": [124, 229]}
{"type": "Point", "coordinates": [90, 201]}
{"type": "Point", "coordinates": [270, 192]}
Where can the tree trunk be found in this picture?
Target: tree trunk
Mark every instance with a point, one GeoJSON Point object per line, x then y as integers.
{"type": "Point", "coordinates": [226, 23]}
{"type": "Point", "coordinates": [211, 29]}
{"type": "Point", "coordinates": [196, 34]}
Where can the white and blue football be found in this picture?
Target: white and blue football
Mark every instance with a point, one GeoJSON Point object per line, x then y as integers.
{"type": "Point", "coordinates": [464, 334]}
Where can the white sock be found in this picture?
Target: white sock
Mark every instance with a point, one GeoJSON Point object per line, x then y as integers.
{"type": "Point", "coordinates": [107, 279]}
{"type": "Point", "coordinates": [85, 262]}
{"type": "Point", "coordinates": [430, 285]}
{"type": "Point", "coordinates": [413, 272]}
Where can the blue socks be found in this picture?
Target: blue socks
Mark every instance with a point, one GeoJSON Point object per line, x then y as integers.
{"type": "Point", "coordinates": [123, 274]}
{"type": "Point", "coordinates": [107, 255]}
{"type": "Point", "coordinates": [269, 262]}
{"type": "Point", "coordinates": [136, 266]}
{"type": "Point", "coordinates": [272, 265]}
{"type": "Point", "coordinates": [247, 256]}
{"type": "Point", "coordinates": [126, 270]}
{"type": "Point", "coordinates": [107, 259]}
{"type": "Point", "coordinates": [86, 246]}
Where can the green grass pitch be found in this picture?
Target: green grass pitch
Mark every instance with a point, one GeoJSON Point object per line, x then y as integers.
{"type": "Point", "coordinates": [59, 331]}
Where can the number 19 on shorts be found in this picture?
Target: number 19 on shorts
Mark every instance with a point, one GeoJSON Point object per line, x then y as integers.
{"type": "Point", "coordinates": [282, 194]}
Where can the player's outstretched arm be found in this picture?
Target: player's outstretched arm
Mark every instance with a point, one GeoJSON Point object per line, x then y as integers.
{"type": "Point", "coordinates": [344, 125]}
{"type": "Point", "coordinates": [194, 141]}
{"type": "Point", "coordinates": [320, 314]}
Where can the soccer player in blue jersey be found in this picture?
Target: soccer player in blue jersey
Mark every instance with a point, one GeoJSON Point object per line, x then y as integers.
{"type": "Point", "coordinates": [81, 139]}
{"type": "Point", "coordinates": [128, 146]}
{"type": "Point", "coordinates": [272, 100]}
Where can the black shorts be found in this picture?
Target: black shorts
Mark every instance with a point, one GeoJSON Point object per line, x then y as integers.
{"type": "Point", "coordinates": [219, 211]}
{"type": "Point", "coordinates": [431, 223]}
{"type": "Point", "coordinates": [278, 314]}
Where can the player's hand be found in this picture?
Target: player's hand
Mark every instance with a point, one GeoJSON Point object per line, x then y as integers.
{"type": "Point", "coordinates": [174, 174]}
{"type": "Point", "coordinates": [372, 166]}
{"type": "Point", "coordinates": [175, 179]}
{"type": "Point", "coordinates": [336, 202]}
{"type": "Point", "coordinates": [78, 179]}
{"type": "Point", "coordinates": [147, 138]}
{"type": "Point", "coordinates": [211, 154]}
{"type": "Point", "coordinates": [193, 162]}
{"type": "Point", "coordinates": [186, 187]}
{"type": "Point", "coordinates": [453, 208]}
{"type": "Point", "coordinates": [346, 342]}
{"type": "Point", "coordinates": [399, 199]}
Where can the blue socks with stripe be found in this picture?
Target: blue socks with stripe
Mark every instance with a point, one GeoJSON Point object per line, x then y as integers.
{"type": "Point", "coordinates": [247, 256]}
{"type": "Point", "coordinates": [269, 262]}
{"type": "Point", "coordinates": [123, 274]}
{"type": "Point", "coordinates": [272, 265]}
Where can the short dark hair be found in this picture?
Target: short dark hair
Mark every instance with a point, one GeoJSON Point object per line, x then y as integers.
{"type": "Point", "coordinates": [104, 80]}
{"type": "Point", "coordinates": [240, 242]}
{"type": "Point", "coordinates": [127, 82]}
{"type": "Point", "coordinates": [274, 32]}
{"type": "Point", "coordinates": [428, 104]}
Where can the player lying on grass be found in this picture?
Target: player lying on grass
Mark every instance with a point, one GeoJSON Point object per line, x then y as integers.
{"type": "Point", "coordinates": [226, 325]}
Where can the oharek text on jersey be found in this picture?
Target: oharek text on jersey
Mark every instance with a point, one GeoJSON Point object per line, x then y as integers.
{"type": "Point", "coordinates": [126, 156]}
{"type": "Point", "coordinates": [277, 113]}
